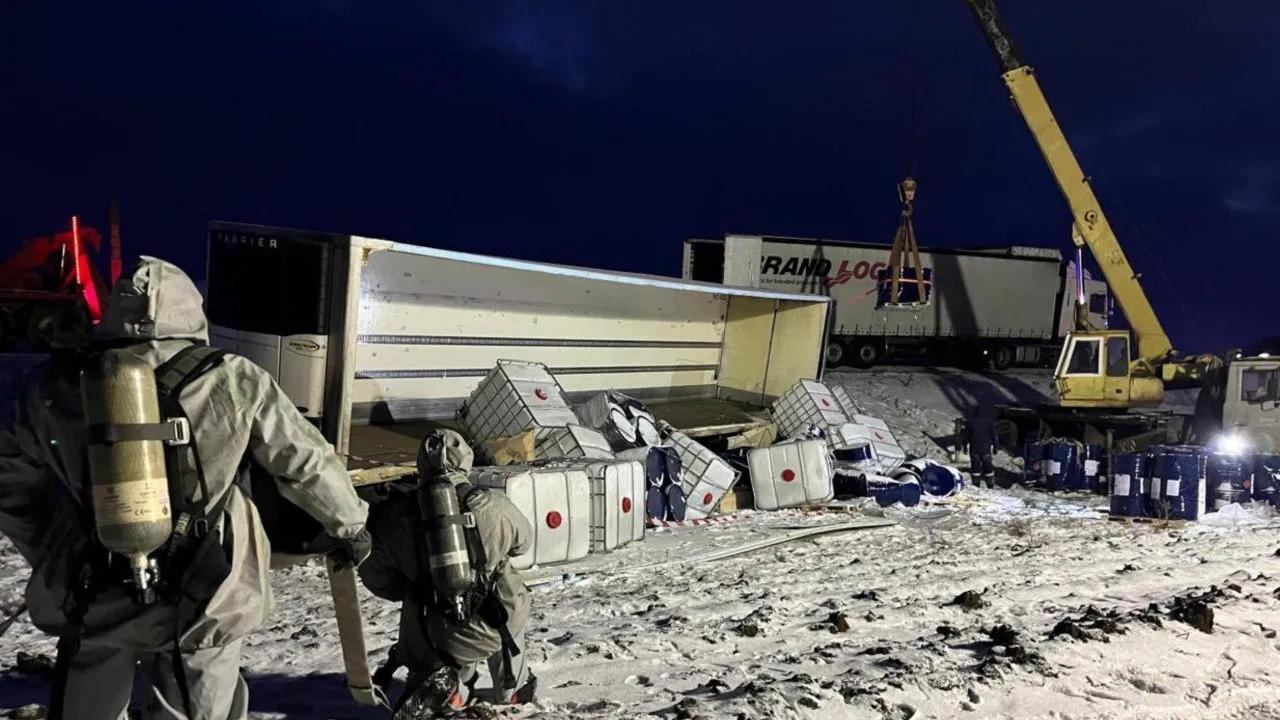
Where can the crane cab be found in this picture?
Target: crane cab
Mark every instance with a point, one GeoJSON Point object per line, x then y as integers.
{"type": "Point", "coordinates": [1096, 369]}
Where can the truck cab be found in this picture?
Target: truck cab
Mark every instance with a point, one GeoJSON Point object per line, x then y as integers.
{"type": "Point", "coordinates": [1251, 405]}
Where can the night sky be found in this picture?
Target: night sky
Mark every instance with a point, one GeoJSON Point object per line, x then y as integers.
{"type": "Point", "coordinates": [604, 133]}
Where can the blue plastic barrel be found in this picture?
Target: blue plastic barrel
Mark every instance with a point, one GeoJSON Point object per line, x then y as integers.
{"type": "Point", "coordinates": [908, 289]}
{"type": "Point", "coordinates": [1095, 472]}
{"type": "Point", "coordinates": [1230, 479]}
{"type": "Point", "coordinates": [1266, 479]}
{"type": "Point", "coordinates": [936, 480]}
{"type": "Point", "coordinates": [1064, 469]}
{"type": "Point", "coordinates": [848, 481]}
{"type": "Point", "coordinates": [888, 491]}
{"type": "Point", "coordinates": [1177, 488]}
{"type": "Point", "coordinates": [1129, 485]}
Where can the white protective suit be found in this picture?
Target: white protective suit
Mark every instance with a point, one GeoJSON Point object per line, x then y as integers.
{"type": "Point", "coordinates": [398, 571]}
{"type": "Point", "coordinates": [234, 409]}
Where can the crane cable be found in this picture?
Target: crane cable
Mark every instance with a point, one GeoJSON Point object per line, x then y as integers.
{"type": "Point", "coordinates": [905, 247]}
{"type": "Point", "coordinates": [1152, 257]}
{"type": "Point", "coordinates": [911, 126]}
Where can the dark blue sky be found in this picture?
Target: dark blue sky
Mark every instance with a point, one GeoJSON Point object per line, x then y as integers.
{"type": "Point", "coordinates": [604, 133]}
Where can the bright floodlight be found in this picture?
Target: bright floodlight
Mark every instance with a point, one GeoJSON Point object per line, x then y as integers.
{"type": "Point", "coordinates": [1231, 443]}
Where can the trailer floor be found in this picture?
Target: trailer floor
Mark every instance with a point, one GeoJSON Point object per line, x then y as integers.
{"type": "Point", "coordinates": [374, 446]}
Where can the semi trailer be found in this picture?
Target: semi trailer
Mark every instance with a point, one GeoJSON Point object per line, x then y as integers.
{"type": "Point", "coordinates": [378, 341]}
{"type": "Point", "coordinates": [994, 307]}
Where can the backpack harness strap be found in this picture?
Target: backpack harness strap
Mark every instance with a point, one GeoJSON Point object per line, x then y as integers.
{"type": "Point", "coordinates": [182, 458]}
{"type": "Point", "coordinates": [484, 600]}
{"type": "Point", "coordinates": [87, 572]}
{"type": "Point", "coordinates": [489, 608]}
{"type": "Point", "coordinates": [192, 541]}
{"type": "Point", "coordinates": [175, 431]}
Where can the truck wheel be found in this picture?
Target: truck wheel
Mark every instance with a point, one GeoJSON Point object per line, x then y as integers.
{"type": "Point", "coordinates": [41, 326]}
{"type": "Point", "coordinates": [1001, 357]}
{"type": "Point", "coordinates": [53, 326]}
{"type": "Point", "coordinates": [866, 352]}
{"type": "Point", "coordinates": [837, 353]}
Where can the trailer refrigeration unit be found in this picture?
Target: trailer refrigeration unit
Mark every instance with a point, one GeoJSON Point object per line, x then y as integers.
{"type": "Point", "coordinates": [376, 341]}
{"type": "Point", "coordinates": [991, 306]}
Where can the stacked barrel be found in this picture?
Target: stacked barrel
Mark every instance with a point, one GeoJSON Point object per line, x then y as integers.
{"type": "Point", "coordinates": [1184, 482]}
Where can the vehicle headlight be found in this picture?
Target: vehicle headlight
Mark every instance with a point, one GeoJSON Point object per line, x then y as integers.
{"type": "Point", "coordinates": [1231, 443]}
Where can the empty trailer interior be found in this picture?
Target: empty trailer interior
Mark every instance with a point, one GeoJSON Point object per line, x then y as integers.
{"type": "Point", "coordinates": [423, 326]}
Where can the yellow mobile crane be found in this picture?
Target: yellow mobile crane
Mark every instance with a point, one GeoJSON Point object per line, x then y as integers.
{"type": "Point", "coordinates": [1097, 368]}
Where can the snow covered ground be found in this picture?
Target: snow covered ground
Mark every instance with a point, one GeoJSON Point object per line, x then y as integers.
{"type": "Point", "coordinates": [855, 624]}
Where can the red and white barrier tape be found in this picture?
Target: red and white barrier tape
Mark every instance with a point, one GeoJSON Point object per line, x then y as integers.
{"type": "Point", "coordinates": [660, 525]}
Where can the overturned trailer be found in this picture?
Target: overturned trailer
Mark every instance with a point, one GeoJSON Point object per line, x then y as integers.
{"type": "Point", "coordinates": [375, 340]}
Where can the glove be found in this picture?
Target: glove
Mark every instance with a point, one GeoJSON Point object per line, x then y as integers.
{"type": "Point", "coordinates": [349, 552]}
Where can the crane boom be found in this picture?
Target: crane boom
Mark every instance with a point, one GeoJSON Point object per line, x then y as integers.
{"type": "Point", "coordinates": [1091, 224]}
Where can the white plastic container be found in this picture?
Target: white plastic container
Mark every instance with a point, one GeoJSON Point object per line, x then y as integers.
{"type": "Point", "coordinates": [846, 436]}
{"type": "Point", "coordinates": [845, 400]}
{"type": "Point", "coordinates": [885, 453]}
{"type": "Point", "coordinates": [704, 477]}
{"type": "Point", "coordinates": [791, 474]}
{"type": "Point", "coordinates": [617, 504]}
{"type": "Point", "coordinates": [573, 441]}
{"type": "Point", "coordinates": [803, 405]}
{"type": "Point", "coordinates": [870, 421]}
{"type": "Point", "coordinates": [514, 397]}
{"type": "Point", "coordinates": [557, 503]}
{"type": "Point", "coordinates": [889, 453]}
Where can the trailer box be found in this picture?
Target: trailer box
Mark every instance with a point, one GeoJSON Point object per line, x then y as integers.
{"type": "Point", "coordinates": [371, 333]}
{"type": "Point", "coordinates": [1012, 305]}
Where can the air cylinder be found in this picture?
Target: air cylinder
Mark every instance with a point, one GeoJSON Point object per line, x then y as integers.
{"type": "Point", "coordinates": [130, 488]}
{"type": "Point", "coordinates": [446, 538]}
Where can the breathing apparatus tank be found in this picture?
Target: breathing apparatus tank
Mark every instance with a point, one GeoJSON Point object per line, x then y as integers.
{"type": "Point", "coordinates": [129, 483]}
{"type": "Point", "coordinates": [445, 525]}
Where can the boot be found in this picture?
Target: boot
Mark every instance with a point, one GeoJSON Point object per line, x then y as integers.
{"type": "Point", "coordinates": [526, 693]}
{"type": "Point", "coordinates": [437, 696]}
{"type": "Point", "coordinates": [385, 674]}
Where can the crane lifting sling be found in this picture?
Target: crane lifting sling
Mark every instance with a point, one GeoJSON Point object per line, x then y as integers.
{"type": "Point", "coordinates": [901, 285]}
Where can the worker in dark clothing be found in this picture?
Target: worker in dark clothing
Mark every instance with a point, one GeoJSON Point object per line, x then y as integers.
{"type": "Point", "coordinates": [982, 444]}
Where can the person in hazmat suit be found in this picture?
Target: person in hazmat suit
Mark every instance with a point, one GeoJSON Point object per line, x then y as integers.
{"type": "Point", "coordinates": [214, 587]}
{"type": "Point", "coordinates": [442, 647]}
